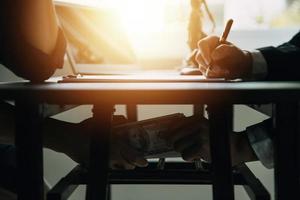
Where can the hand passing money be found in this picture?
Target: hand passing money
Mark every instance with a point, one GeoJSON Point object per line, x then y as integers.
{"type": "Point", "coordinates": [155, 138]}
{"type": "Point", "coordinates": [190, 137]}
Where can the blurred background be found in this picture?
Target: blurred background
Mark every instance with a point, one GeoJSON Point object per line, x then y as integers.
{"type": "Point", "coordinates": [156, 31]}
{"type": "Point", "coordinates": [153, 33]}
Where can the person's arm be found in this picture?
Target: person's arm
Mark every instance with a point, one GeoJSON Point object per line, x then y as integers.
{"type": "Point", "coordinates": [73, 139]}
{"type": "Point", "coordinates": [260, 137]}
{"type": "Point", "coordinates": [52, 131]}
{"type": "Point", "coordinates": [283, 61]}
{"type": "Point", "coordinates": [191, 139]}
{"type": "Point", "coordinates": [254, 143]}
{"type": "Point", "coordinates": [38, 23]}
{"type": "Point", "coordinates": [279, 63]}
{"type": "Point", "coordinates": [259, 66]}
{"type": "Point", "coordinates": [33, 45]}
{"type": "Point", "coordinates": [225, 60]}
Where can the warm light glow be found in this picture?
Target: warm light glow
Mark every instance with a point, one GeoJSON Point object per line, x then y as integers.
{"type": "Point", "coordinates": [154, 33]}
{"type": "Point", "coordinates": [142, 16]}
{"type": "Point", "coordinates": [143, 22]}
{"type": "Point", "coordinates": [137, 16]}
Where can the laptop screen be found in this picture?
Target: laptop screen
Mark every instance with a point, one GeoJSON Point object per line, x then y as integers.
{"type": "Point", "coordinates": [94, 35]}
{"type": "Point", "coordinates": [97, 35]}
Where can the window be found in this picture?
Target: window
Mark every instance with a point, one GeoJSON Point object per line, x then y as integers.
{"type": "Point", "coordinates": [158, 28]}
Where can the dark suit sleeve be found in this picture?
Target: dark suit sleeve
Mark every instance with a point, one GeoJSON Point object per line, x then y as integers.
{"type": "Point", "coordinates": [261, 139]}
{"type": "Point", "coordinates": [30, 63]}
{"type": "Point", "coordinates": [283, 61]}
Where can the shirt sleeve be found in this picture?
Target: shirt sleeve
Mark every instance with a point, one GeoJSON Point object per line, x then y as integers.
{"type": "Point", "coordinates": [259, 135]}
{"type": "Point", "coordinates": [283, 61]}
{"type": "Point", "coordinates": [261, 140]}
{"type": "Point", "coordinates": [259, 66]}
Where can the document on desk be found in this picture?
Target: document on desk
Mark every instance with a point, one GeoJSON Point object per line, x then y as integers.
{"type": "Point", "coordinates": [141, 78]}
{"type": "Point", "coordinates": [147, 136]}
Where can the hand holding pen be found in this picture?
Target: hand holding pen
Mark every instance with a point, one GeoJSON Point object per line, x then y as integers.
{"type": "Point", "coordinates": [222, 40]}
{"type": "Point", "coordinates": [218, 58]}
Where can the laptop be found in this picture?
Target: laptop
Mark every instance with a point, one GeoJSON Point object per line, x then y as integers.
{"type": "Point", "coordinates": [99, 51]}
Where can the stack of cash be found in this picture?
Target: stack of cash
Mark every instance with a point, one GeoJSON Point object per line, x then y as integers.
{"type": "Point", "coordinates": [148, 136]}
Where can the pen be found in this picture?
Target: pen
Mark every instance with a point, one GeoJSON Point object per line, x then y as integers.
{"type": "Point", "coordinates": [222, 40]}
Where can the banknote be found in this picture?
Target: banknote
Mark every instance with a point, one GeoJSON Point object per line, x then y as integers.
{"type": "Point", "coordinates": [147, 136]}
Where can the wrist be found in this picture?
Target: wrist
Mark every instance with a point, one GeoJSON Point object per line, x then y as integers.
{"type": "Point", "coordinates": [71, 139]}
{"type": "Point", "coordinates": [54, 134]}
{"type": "Point", "coordinates": [241, 150]}
{"type": "Point", "coordinates": [248, 64]}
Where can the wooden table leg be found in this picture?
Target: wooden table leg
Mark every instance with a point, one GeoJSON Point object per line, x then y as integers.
{"type": "Point", "coordinates": [29, 150]}
{"type": "Point", "coordinates": [286, 155]}
{"type": "Point", "coordinates": [99, 153]}
{"type": "Point", "coordinates": [220, 124]}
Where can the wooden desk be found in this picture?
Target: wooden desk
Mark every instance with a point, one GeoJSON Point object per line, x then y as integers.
{"type": "Point", "coordinates": [219, 96]}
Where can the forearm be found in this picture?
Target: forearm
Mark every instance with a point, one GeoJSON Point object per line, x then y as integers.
{"type": "Point", "coordinates": [255, 143]}
{"type": "Point", "coordinates": [57, 134]}
{"type": "Point", "coordinates": [34, 45]}
{"type": "Point", "coordinates": [54, 131]}
{"type": "Point", "coordinates": [241, 150]}
{"type": "Point", "coordinates": [38, 24]}
{"type": "Point", "coordinates": [284, 58]}
{"type": "Point", "coordinates": [69, 138]}
{"type": "Point", "coordinates": [260, 137]}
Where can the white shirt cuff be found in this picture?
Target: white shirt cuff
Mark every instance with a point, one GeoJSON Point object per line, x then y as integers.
{"type": "Point", "coordinates": [259, 65]}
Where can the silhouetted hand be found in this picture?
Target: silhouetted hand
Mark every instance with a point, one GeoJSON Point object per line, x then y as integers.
{"type": "Point", "coordinates": [190, 138]}
{"type": "Point", "coordinates": [225, 60]}
{"type": "Point", "coordinates": [122, 156]}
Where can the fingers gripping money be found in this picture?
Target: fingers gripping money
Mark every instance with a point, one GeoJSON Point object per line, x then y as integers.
{"type": "Point", "coordinates": [168, 136]}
